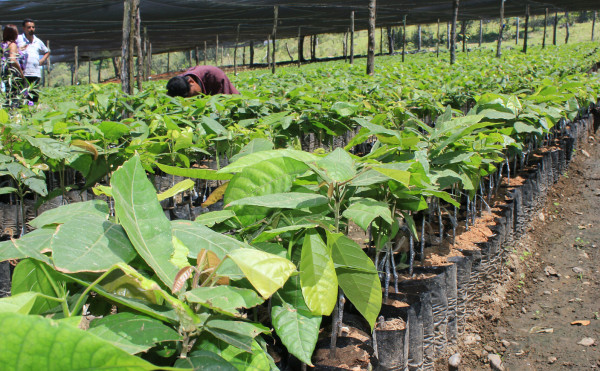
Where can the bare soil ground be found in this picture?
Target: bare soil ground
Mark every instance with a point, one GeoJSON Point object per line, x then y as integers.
{"type": "Point", "coordinates": [553, 280]}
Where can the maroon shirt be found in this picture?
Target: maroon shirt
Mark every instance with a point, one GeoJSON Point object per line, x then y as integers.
{"type": "Point", "coordinates": [212, 80]}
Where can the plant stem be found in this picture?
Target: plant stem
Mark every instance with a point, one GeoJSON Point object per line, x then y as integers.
{"type": "Point", "coordinates": [79, 303]}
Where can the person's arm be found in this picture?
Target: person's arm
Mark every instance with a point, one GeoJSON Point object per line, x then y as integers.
{"type": "Point", "coordinates": [44, 58]}
{"type": "Point", "coordinates": [13, 53]}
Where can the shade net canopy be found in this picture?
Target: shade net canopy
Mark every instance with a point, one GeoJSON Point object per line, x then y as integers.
{"type": "Point", "coordinates": [95, 26]}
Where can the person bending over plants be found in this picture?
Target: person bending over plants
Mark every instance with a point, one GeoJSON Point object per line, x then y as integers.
{"type": "Point", "coordinates": [207, 80]}
{"type": "Point", "coordinates": [11, 67]}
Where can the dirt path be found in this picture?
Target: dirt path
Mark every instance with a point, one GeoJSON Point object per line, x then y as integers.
{"type": "Point", "coordinates": [555, 282]}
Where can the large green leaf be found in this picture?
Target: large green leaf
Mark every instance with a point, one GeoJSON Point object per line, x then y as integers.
{"type": "Point", "coordinates": [72, 211]}
{"type": "Point", "coordinates": [401, 176]}
{"type": "Point", "coordinates": [266, 272]}
{"type": "Point", "coordinates": [20, 303]}
{"type": "Point", "coordinates": [224, 299]}
{"type": "Point", "coordinates": [196, 237]}
{"type": "Point", "coordinates": [293, 321]}
{"type": "Point", "coordinates": [237, 333]}
{"type": "Point", "coordinates": [271, 233]}
{"type": "Point", "coordinates": [37, 343]}
{"type": "Point", "coordinates": [113, 130]}
{"type": "Point", "coordinates": [364, 210]}
{"type": "Point", "coordinates": [317, 275]}
{"type": "Point", "coordinates": [90, 243]}
{"type": "Point", "coordinates": [338, 166]}
{"type": "Point", "coordinates": [211, 218]}
{"type": "Point", "coordinates": [29, 276]}
{"type": "Point", "coordinates": [204, 360]}
{"type": "Point", "coordinates": [255, 145]}
{"type": "Point", "coordinates": [357, 275]}
{"type": "Point", "coordinates": [131, 332]}
{"type": "Point", "coordinates": [31, 245]}
{"type": "Point", "coordinates": [194, 173]}
{"type": "Point", "coordinates": [143, 219]}
{"type": "Point", "coordinates": [287, 200]}
{"type": "Point", "coordinates": [256, 157]}
{"type": "Point", "coordinates": [257, 359]}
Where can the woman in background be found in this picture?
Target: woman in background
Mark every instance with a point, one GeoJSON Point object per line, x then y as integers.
{"type": "Point", "coordinates": [12, 69]}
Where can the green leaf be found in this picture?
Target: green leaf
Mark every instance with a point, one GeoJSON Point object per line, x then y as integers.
{"type": "Point", "coordinates": [214, 217]}
{"type": "Point", "coordinates": [364, 210]}
{"type": "Point", "coordinates": [338, 165]}
{"type": "Point", "coordinates": [90, 244]}
{"type": "Point", "coordinates": [266, 272]}
{"type": "Point", "coordinates": [143, 219]}
{"type": "Point", "coordinates": [212, 126]}
{"type": "Point", "coordinates": [52, 148]}
{"type": "Point", "coordinates": [224, 299]}
{"type": "Point", "coordinates": [69, 212]}
{"type": "Point", "coordinates": [19, 303]}
{"type": "Point", "coordinates": [197, 237]}
{"type": "Point", "coordinates": [29, 276]}
{"type": "Point", "coordinates": [237, 333]}
{"type": "Point", "coordinates": [4, 116]}
{"type": "Point", "coordinates": [521, 127]}
{"type": "Point", "coordinates": [344, 109]}
{"type": "Point", "coordinates": [7, 190]}
{"type": "Point", "coordinates": [357, 276]}
{"type": "Point", "coordinates": [180, 254]}
{"type": "Point", "coordinates": [401, 176]}
{"type": "Point", "coordinates": [113, 131]}
{"type": "Point", "coordinates": [255, 145]}
{"type": "Point", "coordinates": [132, 333]}
{"type": "Point", "coordinates": [184, 185]}
{"type": "Point", "coordinates": [271, 233]}
{"type": "Point", "coordinates": [256, 157]}
{"type": "Point", "coordinates": [288, 200]}
{"type": "Point", "coordinates": [257, 359]}
{"type": "Point", "coordinates": [30, 343]}
{"type": "Point", "coordinates": [317, 275]}
{"type": "Point", "coordinates": [293, 321]}
{"type": "Point", "coordinates": [204, 360]}
{"type": "Point", "coordinates": [194, 173]}
{"type": "Point", "coordinates": [30, 245]}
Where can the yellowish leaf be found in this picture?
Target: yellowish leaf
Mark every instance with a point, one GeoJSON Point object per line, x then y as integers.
{"type": "Point", "coordinates": [216, 195]}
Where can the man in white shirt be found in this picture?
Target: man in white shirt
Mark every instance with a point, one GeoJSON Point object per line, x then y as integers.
{"type": "Point", "coordinates": [36, 54]}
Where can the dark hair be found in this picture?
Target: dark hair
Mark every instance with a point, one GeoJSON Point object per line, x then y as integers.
{"type": "Point", "coordinates": [178, 86]}
{"type": "Point", "coordinates": [10, 33]}
{"type": "Point", "coordinates": [28, 20]}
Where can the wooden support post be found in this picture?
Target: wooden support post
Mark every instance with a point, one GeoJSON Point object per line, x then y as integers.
{"type": "Point", "coordinates": [381, 41]}
{"type": "Point", "coordinates": [205, 54]}
{"type": "Point", "coordinates": [116, 67]}
{"type": "Point", "coordinates": [75, 67]}
{"type": "Point", "coordinates": [237, 40]}
{"type": "Point", "coordinates": [129, 14]}
{"type": "Point", "coordinates": [352, 37]}
{"type": "Point", "coordinates": [517, 33]}
{"type": "Point", "coordinates": [100, 62]}
{"type": "Point", "coordinates": [48, 65]}
{"type": "Point", "coordinates": [197, 56]}
{"type": "Point", "coordinates": [300, 46]}
{"type": "Point", "coordinates": [480, 32]}
{"type": "Point", "coordinates": [217, 50]}
{"type": "Point", "coordinates": [146, 73]}
{"type": "Point", "coordinates": [453, 40]}
{"type": "Point", "coordinates": [545, 27]}
{"type": "Point", "coordinates": [371, 39]}
{"type": "Point", "coordinates": [499, 48]}
{"type": "Point", "coordinates": [149, 58]}
{"type": "Point", "coordinates": [138, 44]}
{"type": "Point", "coordinates": [525, 37]}
{"type": "Point", "coordinates": [275, 20]}
{"type": "Point", "coordinates": [345, 46]}
{"type": "Point", "coordinates": [168, 62]}
{"type": "Point", "coordinates": [567, 27]}
{"type": "Point", "coordinates": [448, 35]}
{"type": "Point", "coordinates": [594, 23]}
{"type": "Point", "coordinates": [403, 38]}
{"type": "Point", "coordinates": [390, 37]}
{"type": "Point", "coordinates": [419, 39]}
{"type": "Point", "coordinates": [313, 47]}
{"type": "Point", "coordinates": [555, 26]}
{"type": "Point", "coordinates": [222, 52]}
{"type": "Point", "coordinates": [244, 56]}
{"type": "Point", "coordinates": [464, 36]}
{"type": "Point", "coordinates": [437, 44]}
{"type": "Point", "coordinates": [89, 71]}
{"type": "Point", "coordinates": [251, 53]}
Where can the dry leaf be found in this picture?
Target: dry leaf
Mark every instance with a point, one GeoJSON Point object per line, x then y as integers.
{"type": "Point", "coordinates": [586, 342]}
{"type": "Point", "coordinates": [581, 322]}
{"type": "Point", "coordinates": [183, 275]}
{"type": "Point", "coordinates": [216, 195]}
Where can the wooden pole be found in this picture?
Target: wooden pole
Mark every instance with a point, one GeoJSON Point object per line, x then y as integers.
{"type": "Point", "coordinates": [371, 39]}
{"type": "Point", "coordinates": [75, 67]}
{"type": "Point", "coordinates": [217, 50]}
{"type": "Point", "coordinates": [381, 41]}
{"type": "Point", "coordinates": [390, 37]}
{"type": "Point", "coordinates": [567, 27]}
{"type": "Point", "coordinates": [352, 37]}
{"type": "Point", "coordinates": [100, 70]}
{"type": "Point", "coordinates": [116, 67]}
{"type": "Point", "coordinates": [48, 65]}
{"type": "Point", "coordinates": [205, 54]}
{"type": "Point", "coordinates": [89, 71]}
{"type": "Point", "coordinates": [555, 25]}
{"type": "Point", "coordinates": [525, 37]}
{"type": "Point", "coordinates": [244, 56]}
{"type": "Point", "coordinates": [403, 38]}
{"type": "Point", "coordinates": [135, 4]}
{"type": "Point", "coordinates": [345, 46]}
{"type": "Point", "coordinates": [517, 33]}
{"type": "Point", "coordinates": [464, 36]}
{"type": "Point", "coordinates": [437, 45]}
{"type": "Point", "coordinates": [168, 62]}
{"type": "Point", "coordinates": [138, 44]}
{"type": "Point", "coordinates": [448, 35]}
{"type": "Point", "coordinates": [146, 57]}
{"type": "Point", "coordinates": [300, 46]}
{"type": "Point", "coordinates": [237, 40]}
{"type": "Point", "coordinates": [453, 41]}
{"type": "Point", "coordinates": [419, 43]}
{"type": "Point", "coordinates": [275, 20]}
{"type": "Point", "coordinates": [480, 32]}
{"type": "Point", "coordinates": [197, 55]}
{"type": "Point", "coordinates": [594, 23]}
{"type": "Point", "coordinates": [545, 27]}
{"type": "Point", "coordinates": [269, 51]}
{"type": "Point", "coordinates": [315, 41]}
{"type": "Point", "coordinates": [129, 14]}
{"type": "Point", "coordinates": [251, 53]}
{"type": "Point", "coordinates": [499, 48]}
